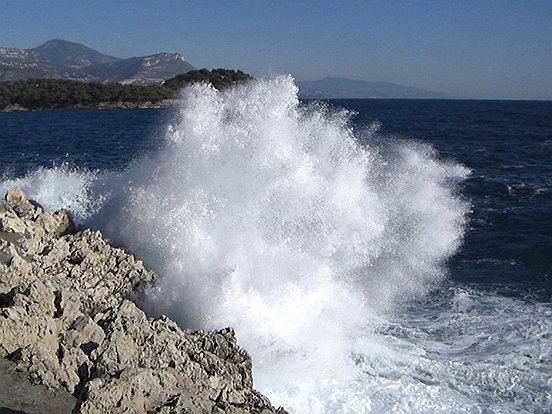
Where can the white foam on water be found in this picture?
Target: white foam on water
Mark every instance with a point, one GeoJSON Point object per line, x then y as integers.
{"type": "Point", "coordinates": [267, 215]}
{"type": "Point", "coordinates": [463, 350]}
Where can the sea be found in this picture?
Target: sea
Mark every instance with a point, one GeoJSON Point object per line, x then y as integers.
{"type": "Point", "coordinates": [373, 256]}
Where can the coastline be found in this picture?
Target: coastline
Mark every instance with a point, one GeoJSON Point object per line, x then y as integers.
{"type": "Point", "coordinates": [72, 336]}
{"type": "Point", "coordinates": [165, 103]}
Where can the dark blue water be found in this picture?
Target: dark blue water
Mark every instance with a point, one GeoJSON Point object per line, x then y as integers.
{"type": "Point", "coordinates": [480, 342]}
{"type": "Point", "coordinates": [94, 139]}
{"type": "Point", "coordinates": [506, 144]}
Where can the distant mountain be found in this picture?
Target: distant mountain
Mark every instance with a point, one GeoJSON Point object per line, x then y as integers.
{"type": "Point", "coordinates": [71, 54]}
{"type": "Point", "coordinates": [142, 70]}
{"type": "Point", "coordinates": [18, 64]}
{"type": "Point", "coordinates": [342, 88]}
{"type": "Point", "coordinates": [60, 59]}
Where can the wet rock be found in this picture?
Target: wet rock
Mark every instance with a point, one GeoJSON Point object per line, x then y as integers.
{"type": "Point", "coordinates": [68, 325]}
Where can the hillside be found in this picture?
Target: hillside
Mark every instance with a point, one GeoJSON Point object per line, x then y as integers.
{"type": "Point", "coordinates": [65, 53]}
{"type": "Point", "coordinates": [61, 59]}
{"type": "Point", "coordinates": [219, 78]}
{"type": "Point", "coordinates": [39, 94]}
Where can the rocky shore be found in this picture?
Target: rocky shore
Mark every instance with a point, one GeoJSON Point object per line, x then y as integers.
{"type": "Point", "coordinates": [165, 103]}
{"type": "Point", "coordinates": [72, 339]}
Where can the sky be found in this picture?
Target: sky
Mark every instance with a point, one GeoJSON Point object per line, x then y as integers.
{"type": "Point", "coordinates": [486, 49]}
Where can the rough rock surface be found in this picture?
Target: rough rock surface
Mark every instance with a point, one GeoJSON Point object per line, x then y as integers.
{"type": "Point", "coordinates": [67, 323]}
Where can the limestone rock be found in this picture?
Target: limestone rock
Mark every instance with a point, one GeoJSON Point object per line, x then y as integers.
{"type": "Point", "coordinates": [16, 195]}
{"type": "Point", "coordinates": [67, 323]}
{"type": "Point", "coordinates": [23, 397]}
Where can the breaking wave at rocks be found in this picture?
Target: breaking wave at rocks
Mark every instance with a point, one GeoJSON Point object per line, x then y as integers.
{"type": "Point", "coordinates": [268, 215]}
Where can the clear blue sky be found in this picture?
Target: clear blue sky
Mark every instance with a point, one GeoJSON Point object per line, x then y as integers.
{"type": "Point", "coordinates": [479, 49]}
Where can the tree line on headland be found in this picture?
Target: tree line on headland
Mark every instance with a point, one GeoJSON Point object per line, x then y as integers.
{"type": "Point", "coordinates": [39, 94]}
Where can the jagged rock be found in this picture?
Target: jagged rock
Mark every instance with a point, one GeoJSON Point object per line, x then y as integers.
{"type": "Point", "coordinates": [16, 195]}
{"type": "Point", "coordinates": [67, 323]}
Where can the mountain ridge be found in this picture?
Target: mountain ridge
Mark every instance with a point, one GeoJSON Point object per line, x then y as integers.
{"type": "Point", "coordinates": [66, 53]}
{"type": "Point", "coordinates": [62, 59]}
{"type": "Point", "coordinates": [342, 88]}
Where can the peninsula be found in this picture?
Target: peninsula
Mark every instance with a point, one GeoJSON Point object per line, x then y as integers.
{"type": "Point", "coordinates": [45, 94]}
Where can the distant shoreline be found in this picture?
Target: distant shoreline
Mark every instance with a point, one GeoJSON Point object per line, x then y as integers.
{"type": "Point", "coordinates": [171, 103]}
{"type": "Point", "coordinates": [50, 94]}
{"type": "Point", "coordinates": [166, 103]}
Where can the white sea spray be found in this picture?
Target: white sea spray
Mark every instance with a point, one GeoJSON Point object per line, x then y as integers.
{"type": "Point", "coordinates": [267, 215]}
